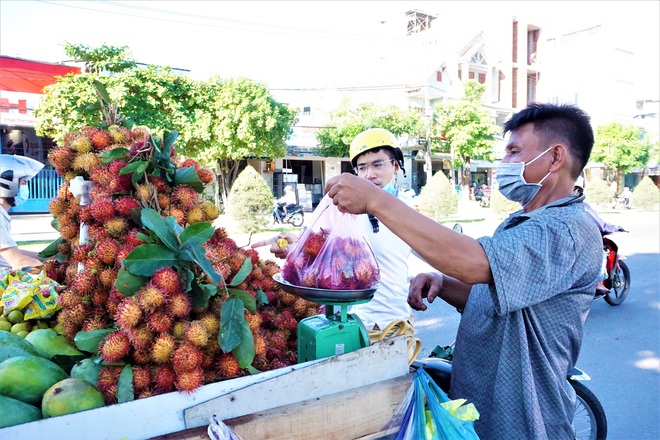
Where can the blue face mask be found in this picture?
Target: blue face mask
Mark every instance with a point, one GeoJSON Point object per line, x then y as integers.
{"type": "Point", "coordinates": [512, 184]}
{"type": "Point", "coordinates": [22, 196]}
{"type": "Point", "coordinates": [391, 187]}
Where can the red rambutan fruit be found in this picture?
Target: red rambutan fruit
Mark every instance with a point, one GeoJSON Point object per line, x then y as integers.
{"type": "Point", "coordinates": [61, 158]}
{"type": "Point", "coordinates": [94, 323]}
{"type": "Point", "coordinates": [101, 176]}
{"type": "Point", "coordinates": [196, 334]}
{"type": "Point", "coordinates": [108, 276]}
{"type": "Point", "coordinates": [185, 196]}
{"type": "Point", "coordinates": [164, 378]}
{"type": "Point", "coordinates": [70, 298]}
{"type": "Point", "coordinates": [142, 356]}
{"type": "Point", "coordinates": [85, 162]}
{"type": "Point", "coordinates": [106, 251]}
{"type": "Point", "coordinates": [85, 282]}
{"type": "Point", "coordinates": [179, 305]}
{"type": "Point", "coordinates": [58, 206]}
{"type": "Point", "coordinates": [114, 347]}
{"type": "Point", "coordinates": [124, 205]}
{"type": "Point", "coordinates": [163, 201]}
{"type": "Point", "coordinates": [128, 313]}
{"type": "Point", "coordinates": [195, 215]}
{"type": "Point", "coordinates": [167, 279]}
{"type": "Point", "coordinates": [81, 253]}
{"type": "Point", "coordinates": [141, 337]}
{"type": "Point", "coordinates": [205, 175]}
{"type": "Point", "coordinates": [100, 139]}
{"type": "Point", "coordinates": [100, 296]}
{"type": "Point", "coordinates": [141, 378]}
{"type": "Point", "coordinates": [150, 297]}
{"type": "Point", "coordinates": [189, 381]}
{"type": "Point", "coordinates": [160, 322]}
{"type": "Point", "coordinates": [211, 323]}
{"type": "Point", "coordinates": [186, 357]}
{"type": "Point", "coordinates": [108, 377]}
{"type": "Point", "coordinates": [179, 329]}
{"type": "Point", "coordinates": [102, 209]}
{"type": "Point", "coordinates": [228, 365]}
{"type": "Point", "coordinates": [116, 227]}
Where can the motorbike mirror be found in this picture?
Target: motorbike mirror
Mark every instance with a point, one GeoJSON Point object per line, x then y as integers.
{"type": "Point", "coordinates": [458, 228]}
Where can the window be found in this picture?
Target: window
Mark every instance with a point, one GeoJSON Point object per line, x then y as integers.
{"type": "Point", "coordinates": [307, 111]}
{"type": "Point", "coordinates": [531, 88]}
{"type": "Point", "coordinates": [532, 40]}
{"type": "Point", "coordinates": [514, 57]}
{"type": "Point", "coordinates": [438, 76]}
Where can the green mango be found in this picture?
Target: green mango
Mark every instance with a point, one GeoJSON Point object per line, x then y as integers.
{"type": "Point", "coordinates": [49, 342]}
{"type": "Point", "coordinates": [87, 369]}
{"type": "Point", "coordinates": [27, 378]}
{"type": "Point", "coordinates": [12, 345]}
{"type": "Point", "coordinates": [70, 396]}
{"type": "Point", "coordinates": [15, 412]}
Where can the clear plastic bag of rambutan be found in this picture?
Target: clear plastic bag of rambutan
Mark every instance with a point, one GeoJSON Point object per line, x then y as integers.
{"type": "Point", "coordinates": [334, 253]}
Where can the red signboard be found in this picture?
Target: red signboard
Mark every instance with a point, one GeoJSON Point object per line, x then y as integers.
{"type": "Point", "coordinates": [17, 75]}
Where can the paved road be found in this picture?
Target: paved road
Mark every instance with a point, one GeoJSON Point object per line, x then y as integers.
{"type": "Point", "coordinates": [621, 348]}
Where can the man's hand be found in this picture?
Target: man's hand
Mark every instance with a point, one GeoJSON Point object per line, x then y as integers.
{"type": "Point", "coordinates": [279, 246]}
{"type": "Point", "coordinates": [353, 194]}
{"type": "Point", "coordinates": [424, 285]}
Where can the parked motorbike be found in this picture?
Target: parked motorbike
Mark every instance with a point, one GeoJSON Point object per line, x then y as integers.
{"type": "Point", "coordinates": [617, 283]}
{"type": "Point", "coordinates": [589, 422]}
{"type": "Point", "coordinates": [484, 201]}
{"type": "Point", "coordinates": [295, 215]}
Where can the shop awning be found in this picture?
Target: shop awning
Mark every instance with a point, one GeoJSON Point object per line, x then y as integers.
{"type": "Point", "coordinates": [17, 75]}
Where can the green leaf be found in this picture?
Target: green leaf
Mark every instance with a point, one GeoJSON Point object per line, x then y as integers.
{"type": "Point", "coordinates": [51, 249]}
{"type": "Point", "coordinates": [244, 352]}
{"type": "Point", "coordinates": [231, 322]}
{"type": "Point", "coordinates": [89, 341]}
{"type": "Point", "coordinates": [250, 303]}
{"type": "Point", "coordinates": [144, 238]}
{"type": "Point", "coordinates": [168, 140]}
{"type": "Point", "coordinates": [200, 258]}
{"type": "Point", "coordinates": [253, 370]}
{"type": "Point", "coordinates": [55, 224]}
{"type": "Point", "coordinates": [128, 284]}
{"type": "Point", "coordinates": [147, 258]}
{"type": "Point", "coordinates": [199, 233]}
{"type": "Point", "coordinates": [188, 176]}
{"type": "Point", "coordinates": [242, 274]}
{"type": "Point", "coordinates": [114, 154]}
{"type": "Point", "coordinates": [163, 229]}
{"type": "Point", "coordinates": [125, 391]}
{"type": "Point", "coordinates": [102, 91]}
{"type": "Point", "coordinates": [200, 294]}
{"type": "Point", "coordinates": [173, 225]}
{"type": "Point", "coordinates": [262, 299]}
{"type": "Point", "coordinates": [187, 276]}
{"type": "Point", "coordinates": [133, 166]}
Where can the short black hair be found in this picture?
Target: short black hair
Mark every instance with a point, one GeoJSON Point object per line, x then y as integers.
{"type": "Point", "coordinates": [566, 123]}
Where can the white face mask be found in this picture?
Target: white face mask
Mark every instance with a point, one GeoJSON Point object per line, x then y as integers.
{"type": "Point", "coordinates": [392, 187]}
{"type": "Point", "coordinates": [22, 196]}
{"type": "Point", "coordinates": [511, 182]}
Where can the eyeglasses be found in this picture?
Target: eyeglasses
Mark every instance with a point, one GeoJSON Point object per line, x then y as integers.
{"type": "Point", "coordinates": [377, 165]}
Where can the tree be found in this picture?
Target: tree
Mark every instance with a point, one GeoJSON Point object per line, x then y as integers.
{"type": "Point", "coordinates": [101, 59]}
{"type": "Point", "coordinates": [347, 121]}
{"type": "Point", "coordinates": [620, 147]}
{"type": "Point", "coordinates": [240, 120]}
{"type": "Point", "coordinates": [250, 200]}
{"type": "Point", "coordinates": [438, 198]}
{"type": "Point", "coordinates": [467, 129]}
{"type": "Point", "coordinates": [646, 195]}
{"type": "Point", "coordinates": [153, 96]}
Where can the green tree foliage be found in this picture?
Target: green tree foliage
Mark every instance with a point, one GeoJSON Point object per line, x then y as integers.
{"type": "Point", "coordinates": [101, 59]}
{"type": "Point", "coordinates": [438, 200]}
{"type": "Point", "coordinates": [348, 120]}
{"type": "Point", "coordinates": [502, 206]}
{"type": "Point", "coordinates": [240, 120]}
{"type": "Point", "coordinates": [467, 128]}
{"type": "Point", "coordinates": [597, 193]}
{"type": "Point", "coordinates": [646, 195]}
{"type": "Point", "coordinates": [620, 147]}
{"type": "Point", "coordinates": [250, 201]}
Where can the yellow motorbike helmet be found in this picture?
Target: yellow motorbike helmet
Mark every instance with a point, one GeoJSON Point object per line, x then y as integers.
{"type": "Point", "coordinates": [375, 138]}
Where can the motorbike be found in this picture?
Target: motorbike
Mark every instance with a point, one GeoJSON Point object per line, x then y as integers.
{"type": "Point", "coordinates": [484, 201]}
{"type": "Point", "coordinates": [589, 421]}
{"type": "Point", "coordinates": [295, 215]}
{"type": "Point", "coordinates": [617, 283]}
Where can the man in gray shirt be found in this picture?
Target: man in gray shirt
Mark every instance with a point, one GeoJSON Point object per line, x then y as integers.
{"type": "Point", "coordinates": [526, 291]}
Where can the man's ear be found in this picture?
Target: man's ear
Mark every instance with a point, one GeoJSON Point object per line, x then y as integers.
{"type": "Point", "coordinates": [561, 158]}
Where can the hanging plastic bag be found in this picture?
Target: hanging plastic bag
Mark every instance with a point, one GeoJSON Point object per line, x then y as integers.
{"type": "Point", "coordinates": [217, 430]}
{"type": "Point", "coordinates": [333, 253]}
{"type": "Point", "coordinates": [426, 413]}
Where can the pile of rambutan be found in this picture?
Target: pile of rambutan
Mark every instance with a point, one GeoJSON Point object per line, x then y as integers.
{"type": "Point", "coordinates": [169, 344]}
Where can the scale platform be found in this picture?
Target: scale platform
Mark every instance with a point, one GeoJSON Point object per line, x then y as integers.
{"type": "Point", "coordinates": [333, 333]}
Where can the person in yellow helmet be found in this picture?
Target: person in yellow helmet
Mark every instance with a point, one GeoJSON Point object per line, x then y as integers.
{"type": "Point", "coordinates": [376, 157]}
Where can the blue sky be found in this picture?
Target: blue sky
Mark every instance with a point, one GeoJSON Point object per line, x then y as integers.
{"type": "Point", "coordinates": [290, 44]}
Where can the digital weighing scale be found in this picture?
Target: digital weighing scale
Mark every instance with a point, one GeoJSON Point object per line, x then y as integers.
{"type": "Point", "coordinates": [333, 333]}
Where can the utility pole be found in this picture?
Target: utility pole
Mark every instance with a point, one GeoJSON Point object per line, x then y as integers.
{"type": "Point", "coordinates": [428, 163]}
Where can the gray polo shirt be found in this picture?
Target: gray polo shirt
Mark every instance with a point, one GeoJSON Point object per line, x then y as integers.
{"type": "Point", "coordinates": [518, 338]}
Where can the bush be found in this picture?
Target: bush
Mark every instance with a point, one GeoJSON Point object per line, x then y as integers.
{"type": "Point", "coordinates": [646, 195]}
{"type": "Point", "coordinates": [500, 205]}
{"type": "Point", "coordinates": [250, 201]}
{"type": "Point", "coordinates": [598, 193]}
{"type": "Point", "coordinates": [437, 198]}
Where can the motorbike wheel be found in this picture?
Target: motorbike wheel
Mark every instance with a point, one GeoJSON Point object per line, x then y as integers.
{"type": "Point", "coordinates": [620, 285]}
{"type": "Point", "coordinates": [297, 219]}
{"type": "Point", "coordinates": [589, 422]}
